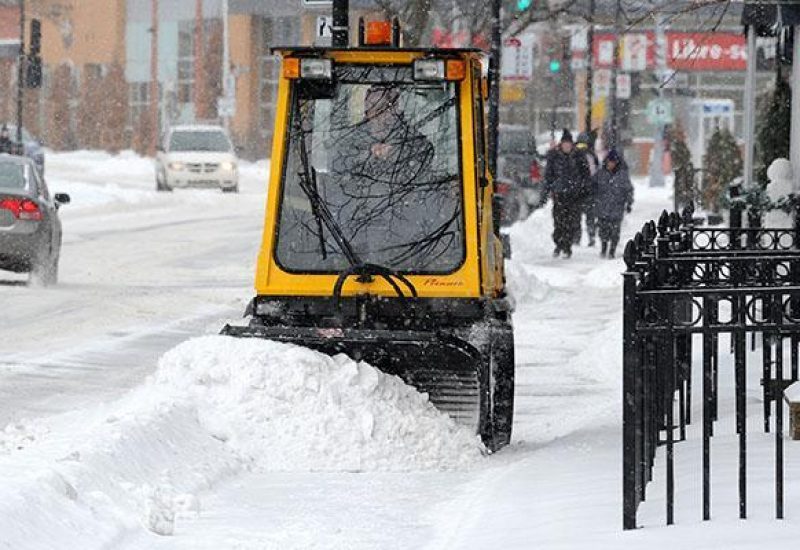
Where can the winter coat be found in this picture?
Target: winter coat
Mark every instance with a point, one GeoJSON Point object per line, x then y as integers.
{"type": "Point", "coordinates": [613, 192]}
{"type": "Point", "coordinates": [567, 173]}
{"type": "Point", "coordinates": [6, 145]}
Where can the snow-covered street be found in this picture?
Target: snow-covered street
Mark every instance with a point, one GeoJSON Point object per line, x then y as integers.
{"type": "Point", "coordinates": [105, 442]}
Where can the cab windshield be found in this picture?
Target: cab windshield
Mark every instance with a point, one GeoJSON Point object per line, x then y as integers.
{"type": "Point", "coordinates": [372, 166]}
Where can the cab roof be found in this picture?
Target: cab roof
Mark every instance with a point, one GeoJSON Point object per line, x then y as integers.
{"type": "Point", "coordinates": [320, 50]}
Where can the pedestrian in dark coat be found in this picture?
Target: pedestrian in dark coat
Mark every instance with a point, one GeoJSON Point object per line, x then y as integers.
{"type": "Point", "coordinates": [613, 194]}
{"type": "Point", "coordinates": [585, 145]}
{"type": "Point", "coordinates": [6, 145]}
{"type": "Point", "coordinates": [566, 181]}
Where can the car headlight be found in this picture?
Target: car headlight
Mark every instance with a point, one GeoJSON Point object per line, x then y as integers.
{"type": "Point", "coordinates": [228, 166]}
{"type": "Point", "coordinates": [177, 166]}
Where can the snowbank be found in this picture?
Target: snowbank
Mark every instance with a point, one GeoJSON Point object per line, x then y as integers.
{"type": "Point", "coordinates": [215, 406]}
{"type": "Point", "coordinates": [532, 237]}
{"type": "Point", "coordinates": [97, 179]}
{"type": "Point", "coordinates": [288, 408]}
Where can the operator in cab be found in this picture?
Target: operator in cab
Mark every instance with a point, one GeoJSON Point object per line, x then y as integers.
{"type": "Point", "coordinates": [386, 149]}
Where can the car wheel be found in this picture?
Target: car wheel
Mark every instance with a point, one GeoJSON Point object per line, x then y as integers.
{"type": "Point", "coordinates": [160, 182]}
{"type": "Point", "coordinates": [234, 189]}
{"type": "Point", "coordinates": [45, 272]}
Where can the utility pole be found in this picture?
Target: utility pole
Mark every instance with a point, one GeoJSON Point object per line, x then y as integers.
{"type": "Point", "coordinates": [589, 68]}
{"type": "Point", "coordinates": [656, 170]}
{"type": "Point", "coordinates": [228, 88]}
{"type": "Point", "coordinates": [341, 24]}
{"type": "Point", "coordinates": [21, 73]}
{"type": "Point", "coordinates": [749, 106]}
{"type": "Point", "coordinates": [153, 78]}
{"type": "Point", "coordinates": [199, 72]}
{"type": "Point", "coordinates": [494, 86]}
{"type": "Point", "coordinates": [553, 106]}
{"type": "Point", "coordinates": [614, 141]}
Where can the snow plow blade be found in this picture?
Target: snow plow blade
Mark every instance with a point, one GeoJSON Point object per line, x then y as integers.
{"type": "Point", "coordinates": [443, 366]}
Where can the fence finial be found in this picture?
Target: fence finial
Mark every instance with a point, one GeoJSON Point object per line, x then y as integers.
{"type": "Point", "coordinates": [663, 223]}
{"type": "Point", "coordinates": [638, 241]}
{"type": "Point", "coordinates": [648, 233]}
{"type": "Point", "coordinates": [629, 255]}
{"type": "Point", "coordinates": [688, 214]}
{"type": "Point", "coordinates": [674, 221]}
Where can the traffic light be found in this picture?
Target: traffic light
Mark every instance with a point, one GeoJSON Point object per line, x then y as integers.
{"type": "Point", "coordinates": [523, 5]}
{"type": "Point", "coordinates": [36, 37]}
{"type": "Point", "coordinates": [555, 65]}
{"type": "Point", "coordinates": [33, 78]}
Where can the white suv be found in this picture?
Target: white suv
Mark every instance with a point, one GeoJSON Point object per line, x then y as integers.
{"type": "Point", "coordinates": [197, 156]}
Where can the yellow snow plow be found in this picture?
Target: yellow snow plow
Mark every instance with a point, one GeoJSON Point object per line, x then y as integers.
{"type": "Point", "coordinates": [381, 240]}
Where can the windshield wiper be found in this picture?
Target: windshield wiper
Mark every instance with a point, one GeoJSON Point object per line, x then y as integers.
{"type": "Point", "coordinates": [322, 214]}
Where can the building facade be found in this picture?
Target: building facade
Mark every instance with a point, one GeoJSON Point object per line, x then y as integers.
{"type": "Point", "coordinates": [98, 71]}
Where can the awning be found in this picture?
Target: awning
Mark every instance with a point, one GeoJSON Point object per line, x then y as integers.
{"type": "Point", "coordinates": [9, 49]}
{"type": "Point", "coordinates": [769, 17]}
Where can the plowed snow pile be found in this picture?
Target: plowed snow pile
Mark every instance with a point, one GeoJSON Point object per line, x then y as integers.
{"type": "Point", "coordinates": [214, 407]}
{"type": "Point", "coordinates": [283, 407]}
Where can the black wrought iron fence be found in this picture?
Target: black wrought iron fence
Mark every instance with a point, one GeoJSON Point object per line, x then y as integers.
{"type": "Point", "coordinates": [683, 281]}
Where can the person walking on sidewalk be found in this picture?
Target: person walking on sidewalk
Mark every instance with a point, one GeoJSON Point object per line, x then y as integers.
{"type": "Point", "coordinates": [6, 145]}
{"type": "Point", "coordinates": [585, 145]}
{"type": "Point", "coordinates": [566, 181]}
{"type": "Point", "coordinates": [613, 194]}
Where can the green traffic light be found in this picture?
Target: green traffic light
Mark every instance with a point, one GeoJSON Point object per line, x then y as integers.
{"type": "Point", "coordinates": [523, 5]}
{"type": "Point", "coordinates": [555, 65]}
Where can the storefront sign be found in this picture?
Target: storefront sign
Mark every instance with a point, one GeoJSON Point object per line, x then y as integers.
{"type": "Point", "coordinates": [706, 51]}
{"type": "Point", "coordinates": [686, 51]}
{"type": "Point", "coordinates": [517, 58]}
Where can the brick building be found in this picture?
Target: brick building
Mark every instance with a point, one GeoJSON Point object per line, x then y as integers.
{"type": "Point", "coordinates": [97, 66]}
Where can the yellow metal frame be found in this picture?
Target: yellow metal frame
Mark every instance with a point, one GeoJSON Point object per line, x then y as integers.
{"type": "Point", "coordinates": [481, 273]}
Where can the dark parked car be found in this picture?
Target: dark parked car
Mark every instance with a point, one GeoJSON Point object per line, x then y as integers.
{"type": "Point", "coordinates": [518, 165]}
{"type": "Point", "coordinates": [30, 231]}
{"type": "Point", "coordinates": [33, 147]}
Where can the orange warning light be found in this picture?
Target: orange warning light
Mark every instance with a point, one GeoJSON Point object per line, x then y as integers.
{"type": "Point", "coordinates": [291, 68]}
{"type": "Point", "coordinates": [456, 69]}
{"type": "Point", "coordinates": [378, 33]}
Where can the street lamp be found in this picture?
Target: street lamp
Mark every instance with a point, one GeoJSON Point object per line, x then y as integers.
{"type": "Point", "coordinates": [555, 68]}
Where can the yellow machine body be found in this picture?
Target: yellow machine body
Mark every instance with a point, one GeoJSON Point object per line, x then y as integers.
{"type": "Point", "coordinates": [430, 310]}
{"type": "Point", "coordinates": [481, 273]}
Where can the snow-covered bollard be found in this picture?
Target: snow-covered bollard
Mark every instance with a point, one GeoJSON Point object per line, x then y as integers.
{"type": "Point", "coordinates": [792, 397]}
{"type": "Point", "coordinates": [779, 174]}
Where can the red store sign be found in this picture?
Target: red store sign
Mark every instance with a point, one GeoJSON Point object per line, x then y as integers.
{"type": "Point", "coordinates": [706, 51]}
{"type": "Point", "coordinates": [686, 51]}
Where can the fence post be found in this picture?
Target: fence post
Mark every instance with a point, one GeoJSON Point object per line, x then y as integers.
{"type": "Point", "coordinates": [630, 412]}
{"type": "Point", "coordinates": [735, 221]}
{"type": "Point", "coordinates": [753, 222]}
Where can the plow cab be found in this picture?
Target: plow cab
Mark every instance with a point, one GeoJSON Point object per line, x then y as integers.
{"type": "Point", "coordinates": [380, 239]}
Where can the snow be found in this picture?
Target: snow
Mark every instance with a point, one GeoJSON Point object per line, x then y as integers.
{"type": "Point", "coordinates": [792, 393]}
{"type": "Point", "coordinates": [215, 406]}
{"type": "Point", "coordinates": [128, 424]}
{"type": "Point", "coordinates": [286, 408]}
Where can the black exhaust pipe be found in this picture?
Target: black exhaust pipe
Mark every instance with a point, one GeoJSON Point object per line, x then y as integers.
{"type": "Point", "coordinates": [341, 23]}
